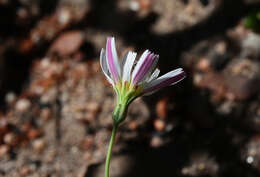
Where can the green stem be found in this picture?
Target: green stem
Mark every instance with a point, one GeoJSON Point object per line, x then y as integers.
{"type": "Point", "coordinates": [109, 151]}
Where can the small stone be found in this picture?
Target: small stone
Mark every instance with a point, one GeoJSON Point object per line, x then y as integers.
{"type": "Point", "coordinates": [23, 105]}
{"type": "Point", "coordinates": [64, 16]}
{"type": "Point", "coordinates": [221, 47]}
{"type": "Point", "coordinates": [39, 145]}
{"type": "Point", "coordinates": [45, 63]}
{"type": "Point", "coordinates": [74, 149]}
{"type": "Point", "coordinates": [203, 65]}
{"type": "Point", "coordinates": [134, 5]}
{"type": "Point", "coordinates": [34, 133]}
{"type": "Point", "coordinates": [11, 139]}
{"type": "Point", "coordinates": [197, 79]}
{"type": "Point", "coordinates": [250, 159]}
{"type": "Point", "coordinates": [10, 97]}
{"type": "Point", "coordinates": [156, 142]}
{"type": "Point", "coordinates": [159, 125]}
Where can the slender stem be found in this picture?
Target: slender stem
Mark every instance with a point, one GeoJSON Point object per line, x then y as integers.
{"type": "Point", "coordinates": [109, 151]}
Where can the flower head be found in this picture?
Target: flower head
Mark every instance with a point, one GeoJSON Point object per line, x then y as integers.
{"type": "Point", "coordinates": [132, 79]}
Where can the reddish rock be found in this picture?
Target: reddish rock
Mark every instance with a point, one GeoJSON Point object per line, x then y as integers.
{"type": "Point", "coordinates": [67, 43]}
{"type": "Point", "coordinates": [133, 125]}
{"type": "Point", "coordinates": [229, 86]}
{"type": "Point", "coordinates": [203, 65]}
{"type": "Point", "coordinates": [162, 108]}
{"type": "Point", "coordinates": [26, 46]}
{"type": "Point", "coordinates": [34, 133]}
{"type": "Point", "coordinates": [145, 4]}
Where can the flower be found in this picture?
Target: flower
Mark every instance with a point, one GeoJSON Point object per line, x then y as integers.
{"type": "Point", "coordinates": [131, 80]}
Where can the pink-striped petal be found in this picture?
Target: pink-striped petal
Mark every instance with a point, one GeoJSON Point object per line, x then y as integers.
{"type": "Point", "coordinates": [170, 78]}
{"type": "Point", "coordinates": [128, 65]}
{"type": "Point", "coordinates": [144, 66]}
{"type": "Point", "coordinates": [139, 63]}
{"type": "Point", "coordinates": [112, 59]}
{"type": "Point", "coordinates": [154, 75]}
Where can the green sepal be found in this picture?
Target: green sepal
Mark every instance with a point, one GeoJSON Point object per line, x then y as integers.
{"type": "Point", "coordinates": [125, 96]}
{"type": "Point", "coordinates": [119, 113]}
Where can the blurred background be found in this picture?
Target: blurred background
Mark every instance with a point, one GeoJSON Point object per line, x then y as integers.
{"type": "Point", "coordinates": [56, 105]}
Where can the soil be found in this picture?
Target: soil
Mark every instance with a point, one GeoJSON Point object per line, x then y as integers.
{"type": "Point", "coordinates": [56, 105]}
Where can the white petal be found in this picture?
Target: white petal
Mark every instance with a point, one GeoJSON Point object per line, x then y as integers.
{"type": "Point", "coordinates": [104, 66]}
{"type": "Point", "coordinates": [122, 63]}
{"type": "Point", "coordinates": [155, 63]}
{"type": "Point", "coordinates": [139, 63]}
{"type": "Point", "coordinates": [178, 71]}
{"type": "Point", "coordinates": [164, 77]}
{"type": "Point", "coordinates": [157, 82]}
{"type": "Point", "coordinates": [154, 75]}
{"type": "Point", "coordinates": [146, 77]}
{"type": "Point", "coordinates": [130, 59]}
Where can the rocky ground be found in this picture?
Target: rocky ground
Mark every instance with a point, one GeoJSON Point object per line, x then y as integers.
{"type": "Point", "coordinates": [56, 105]}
